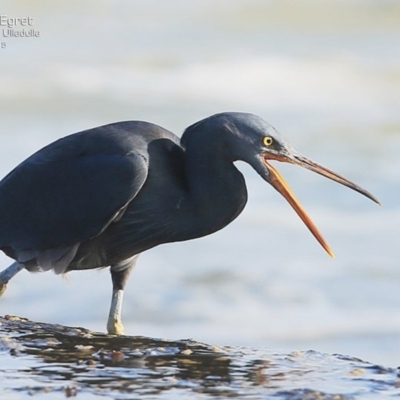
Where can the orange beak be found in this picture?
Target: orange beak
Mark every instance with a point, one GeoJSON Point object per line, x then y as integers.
{"type": "Point", "coordinates": [277, 181]}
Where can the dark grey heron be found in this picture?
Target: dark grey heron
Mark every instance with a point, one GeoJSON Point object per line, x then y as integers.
{"type": "Point", "coordinates": [101, 197]}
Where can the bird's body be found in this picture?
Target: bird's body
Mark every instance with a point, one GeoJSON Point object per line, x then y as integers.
{"type": "Point", "coordinates": [116, 190]}
{"type": "Point", "coordinates": [100, 197]}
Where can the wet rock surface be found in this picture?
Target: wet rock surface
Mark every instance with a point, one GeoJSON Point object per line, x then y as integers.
{"type": "Point", "coordinates": [54, 361]}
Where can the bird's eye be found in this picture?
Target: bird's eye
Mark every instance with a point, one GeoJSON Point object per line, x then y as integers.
{"type": "Point", "coordinates": [268, 141]}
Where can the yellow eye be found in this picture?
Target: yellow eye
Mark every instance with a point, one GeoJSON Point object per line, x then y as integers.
{"type": "Point", "coordinates": [268, 141]}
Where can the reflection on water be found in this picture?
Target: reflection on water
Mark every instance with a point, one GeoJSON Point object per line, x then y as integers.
{"type": "Point", "coordinates": [74, 361]}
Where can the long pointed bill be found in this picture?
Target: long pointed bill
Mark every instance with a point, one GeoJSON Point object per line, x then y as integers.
{"type": "Point", "coordinates": [277, 181]}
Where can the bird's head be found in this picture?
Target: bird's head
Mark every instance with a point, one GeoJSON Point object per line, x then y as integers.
{"type": "Point", "coordinates": [257, 143]}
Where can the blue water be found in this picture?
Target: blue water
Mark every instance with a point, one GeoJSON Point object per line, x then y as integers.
{"type": "Point", "coordinates": [326, 74]}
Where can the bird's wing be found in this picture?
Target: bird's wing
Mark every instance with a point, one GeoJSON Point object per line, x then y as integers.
{"type": "Point", "coordinates": [58, 197]}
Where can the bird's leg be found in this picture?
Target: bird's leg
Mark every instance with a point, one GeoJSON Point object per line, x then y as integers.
{"type": "Point", "coordinates": [119, 275]}
{"type": "Point", "coordinates": [119, 278]}
{"type": "Point", "coordinates": [8, 273]}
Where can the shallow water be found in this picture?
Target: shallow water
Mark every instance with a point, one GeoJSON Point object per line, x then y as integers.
{"type": "Point", "coordinates": [324, 73]}
{"type": "Point", "coordinates": [55, 361]}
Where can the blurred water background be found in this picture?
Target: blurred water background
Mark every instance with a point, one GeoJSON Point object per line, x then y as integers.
{"type": "Point", "coordinates": [325, 73]}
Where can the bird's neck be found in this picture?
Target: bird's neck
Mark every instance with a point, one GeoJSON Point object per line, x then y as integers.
{"type": "Point", "coordinates": [217, 189]}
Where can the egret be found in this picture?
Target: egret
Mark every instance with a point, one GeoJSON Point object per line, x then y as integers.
{"type": "Point", "coordinates": [100, 197]}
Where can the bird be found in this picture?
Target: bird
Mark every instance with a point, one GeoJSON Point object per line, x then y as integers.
{"type": "Point", "coordinates": [101, 197]}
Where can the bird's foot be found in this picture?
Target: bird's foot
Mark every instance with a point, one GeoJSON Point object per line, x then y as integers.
{"type": "Point", "coordinates": [115, 327]}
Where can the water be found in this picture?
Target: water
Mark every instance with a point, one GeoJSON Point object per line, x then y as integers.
{"type": "Point", "coordinates": [324, 73]}
{"type": "Point", "coordinates": [53, 360]}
